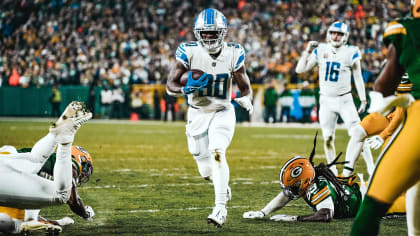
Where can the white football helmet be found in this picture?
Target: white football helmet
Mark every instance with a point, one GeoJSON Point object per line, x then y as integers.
{"type": "Point", "coordinates": [340, 27]}
{"type": "Point", "coordinates": [211, 20]}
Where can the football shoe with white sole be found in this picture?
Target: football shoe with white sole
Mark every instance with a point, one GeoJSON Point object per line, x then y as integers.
{"type": "Point", "coordinates": [218, 216]}
{"type": "Point", "coordinates": [29, 227]}
{"type": "Point", "coordinates": [69, 122]}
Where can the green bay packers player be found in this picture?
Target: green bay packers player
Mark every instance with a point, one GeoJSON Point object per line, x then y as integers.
{"type": "Point", "coordinates": [376, 126]}
{"type": "Point", "coordinates": [397, 169]}
{"type": "Point", "coordinates": [20, 185]}
{"type": "Point", "coordinates": [329, 196]}
{"type": "Point", "coordinates": [30, 220]}
{"type": "Point", "coordinates": [211, 116]}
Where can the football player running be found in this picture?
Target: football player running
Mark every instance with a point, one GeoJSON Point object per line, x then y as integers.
{"type": "Point", "coordinates": [329, 196]}
{"type": "Point", "coordinates": [337, 62]}
{"type": "Point", "coordinates": [21, 187]}
{"type": "Point", "coordinates": [397, 168]}
{"type": "Point", "coordinates": [211, 116]}
{"type": "Point", "coordinates": [19, 220]}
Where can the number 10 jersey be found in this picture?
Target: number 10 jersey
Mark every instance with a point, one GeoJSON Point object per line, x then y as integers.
{"type": "Point", "coordinates": [217, 94]}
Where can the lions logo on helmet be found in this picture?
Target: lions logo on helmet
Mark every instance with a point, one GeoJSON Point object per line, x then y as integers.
{"type": "Point", "coordinates": [82, 162]}
{"type": "Point", "coordinates": [214, 22]}
{"type": "Point", "coordinates": [339, 27]}
{"type": "Point", "coordinates": [296, 175]}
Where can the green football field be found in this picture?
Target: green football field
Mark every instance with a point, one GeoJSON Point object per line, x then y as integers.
{"type": "Point", "coordinates": [145, 182]}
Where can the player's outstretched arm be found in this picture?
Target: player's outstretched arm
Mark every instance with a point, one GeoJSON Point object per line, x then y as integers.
{"type": "Point", "coordinates": [322, 215]}
{"type": "Point", "coordinates": [276, 204]}
{"type": "Point", "coordinates": [173, 86]}
{"type": "Point", "coordinates": [76, 204]}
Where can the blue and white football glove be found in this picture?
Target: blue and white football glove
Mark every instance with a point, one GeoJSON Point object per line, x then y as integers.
{"type": "Point", "coordinates": [195, 84]}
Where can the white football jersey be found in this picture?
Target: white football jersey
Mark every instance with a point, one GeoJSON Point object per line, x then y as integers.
{"type": "Point", "coordinates": [334, 66]}
{"type": "Point", "coordinates": [218, 92]}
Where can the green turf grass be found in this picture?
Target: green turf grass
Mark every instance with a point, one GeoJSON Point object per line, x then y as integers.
{"type": "Point", "coordinates": [145, 182]}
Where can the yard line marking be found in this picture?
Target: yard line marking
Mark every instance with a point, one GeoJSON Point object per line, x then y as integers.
{"type": "Point", "coordinates": [176, 185]}
{"type": "Point", "coordinates": [192, 209]}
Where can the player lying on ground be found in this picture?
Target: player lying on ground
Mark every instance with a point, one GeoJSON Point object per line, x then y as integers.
{"type": "Point", "coordinates": [330, 197]}
{"type": "Point", "coordinates": [20, 185]}
{"type": "Point", "coordinates": [23, 220]}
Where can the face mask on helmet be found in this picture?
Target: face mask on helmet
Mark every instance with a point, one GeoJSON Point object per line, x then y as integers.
{"type": "Point", "coordinates": [341, 28]}
{"type": "Point", "coordinates": [82, 163]}
{"type": "Point", "coordinates": [296, 176]}
{"type": "Point", "coordinates": [210, 29]}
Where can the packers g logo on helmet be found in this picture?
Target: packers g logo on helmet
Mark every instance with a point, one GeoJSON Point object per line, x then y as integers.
{"type": "Point", "coordinates": [296, 175]}
{"type": "Point", "coordinates": [83, 163]}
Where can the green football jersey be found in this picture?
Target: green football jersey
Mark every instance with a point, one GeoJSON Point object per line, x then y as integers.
{"type": "Point", "coordinates": [345, 205]}
{"type": "Point", "coordinates": [404, 34]}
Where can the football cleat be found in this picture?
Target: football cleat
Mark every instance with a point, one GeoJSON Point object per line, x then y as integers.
{"type": "Point", "coordinates": [30, 226]}
{"type": "Point", "coordinates": [218, 216]}
{"type": "Point", "coordinates": [69, 122]}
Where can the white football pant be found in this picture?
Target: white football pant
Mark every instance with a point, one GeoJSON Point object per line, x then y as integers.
{"type": "Point", "coordinates": [209, 150]}
{"type": "Point", "coordinates": [330, 109]}
{"type": "Point", "coordinates": [21, 187]}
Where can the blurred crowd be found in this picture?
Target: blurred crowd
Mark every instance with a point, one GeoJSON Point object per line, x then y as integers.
{"type": "Point", "coordinates": [119, 42]}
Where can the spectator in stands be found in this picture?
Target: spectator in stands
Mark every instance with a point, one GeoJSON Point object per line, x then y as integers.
{"type": "Point", "coordinates": [270, 102]}
{"type": "Point", "coordinates": [169, 106]}
{"type": "Point", "coordinates": [106, 102]}
{"type": "Point", "coordinates": [55, 101]}
{"type": "Point", "coordinates": [118, 98]}
{"type": "Point", "coordinates": [286, 101]}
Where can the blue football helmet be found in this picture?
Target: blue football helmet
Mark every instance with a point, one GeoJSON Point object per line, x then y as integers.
{"type": "Point", "coordinates": [340, 27]}
{"type": "Point", "coordinates": [211, 20]}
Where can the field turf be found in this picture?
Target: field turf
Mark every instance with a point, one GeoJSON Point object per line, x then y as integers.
{"type": "Point", "coordinates": [145, 182]}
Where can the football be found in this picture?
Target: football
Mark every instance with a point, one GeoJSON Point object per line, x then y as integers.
{"type": "Point", "coordinates": [196, 74]}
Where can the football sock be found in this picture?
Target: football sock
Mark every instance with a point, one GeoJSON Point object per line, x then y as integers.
{"type": "Point", "coordinates": [63, 168]}
{"type": "Point", "coordinates": [330, 155]}
{"type": "Point", "coordinates": [43, 149]}
{"type": "Point", "coordinates": [354, 147]}
{"type": "Point", "coordinates": [368, 217]}
{"type": "Point", "coordinates": [367, 156]}
{"type": "Point", "coordinates": [220, 177]}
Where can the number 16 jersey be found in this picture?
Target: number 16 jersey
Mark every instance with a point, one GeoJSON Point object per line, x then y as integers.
{"type": "Point", "coordinates": [217, 94]}
{"type": "Point", "coordinates": [335, 67]}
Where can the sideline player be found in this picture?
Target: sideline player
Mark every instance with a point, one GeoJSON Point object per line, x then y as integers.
{"type": "Point", "coordinates": [329, 196]}
{"type": "Point", "coordinates": [337, 63]}
{"type": "Point", "coordinates": [30, 220]}
{"type": "Point", "coordinates": [397, 169]}
{"type": "Point", "coordinates": [211, 116]}
{"type": "Point", "coordinates": [21, 187]}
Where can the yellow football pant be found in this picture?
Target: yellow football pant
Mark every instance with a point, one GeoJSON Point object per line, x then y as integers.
{"type": "Point", "coordinates": [398, 166]}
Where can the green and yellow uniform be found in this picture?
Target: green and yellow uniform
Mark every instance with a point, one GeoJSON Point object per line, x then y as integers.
{"type": "Point", "coordinates": [397, 168]}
